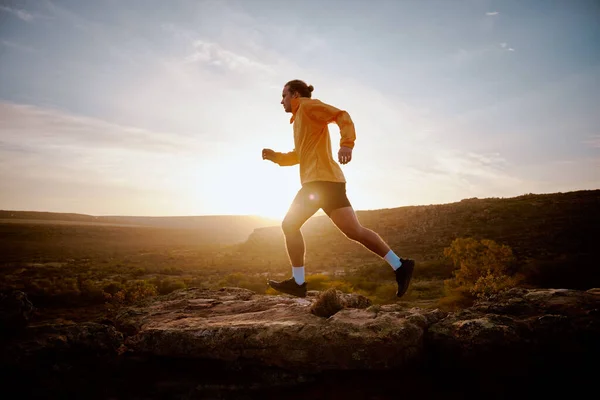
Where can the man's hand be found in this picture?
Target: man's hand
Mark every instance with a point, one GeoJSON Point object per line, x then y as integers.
{"type": "Point", "coordinates": [268, 154]}
{"type": "Point", "coordinates": [345, 155]}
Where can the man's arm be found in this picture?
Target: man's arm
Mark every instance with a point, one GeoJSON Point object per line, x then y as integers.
{"type": "Point", "coordinates": [286, 159]}
{"type": "Point", "coordinates": [283, 159]}
{"type": "Point", "coordinates": [321, 112]}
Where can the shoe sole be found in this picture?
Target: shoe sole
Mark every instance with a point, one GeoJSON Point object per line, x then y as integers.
{"type": "Point", "coordinates": [411, 268]}
{"type": "Point", "coordinates": [283, 291]}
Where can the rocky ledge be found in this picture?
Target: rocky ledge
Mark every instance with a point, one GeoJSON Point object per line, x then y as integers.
{"type": "Point", "coordinates": [518, 333]}
{"type": "Point", "coordinates": [237, 325]}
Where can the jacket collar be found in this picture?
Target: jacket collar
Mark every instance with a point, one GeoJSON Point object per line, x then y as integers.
{"type": "Point", "coordinates": [295, 104]}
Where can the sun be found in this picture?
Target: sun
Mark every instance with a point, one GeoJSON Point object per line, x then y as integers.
{"type": "Point", "coordinates": [255, 188]}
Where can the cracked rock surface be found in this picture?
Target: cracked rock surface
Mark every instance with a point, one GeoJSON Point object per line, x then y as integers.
{"type": "Point", "coordinates": [235, 324]}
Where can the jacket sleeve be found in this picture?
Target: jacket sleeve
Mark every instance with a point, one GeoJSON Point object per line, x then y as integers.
{"type": "Point", "coordinates": [286, 159]}
{"type": "Point", "coordinates": [324, 113]}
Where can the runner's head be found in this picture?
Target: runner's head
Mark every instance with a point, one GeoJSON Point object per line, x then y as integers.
{"type": "Point", "coordinates": [293, 89]}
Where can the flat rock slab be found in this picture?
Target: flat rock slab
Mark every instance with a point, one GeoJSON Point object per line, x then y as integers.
{"type": "Point", "coordinates": [515, 334]}
{"type": "Point", "coordinates": [234, 324]}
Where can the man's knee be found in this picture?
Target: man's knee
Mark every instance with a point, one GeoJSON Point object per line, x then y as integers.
{"type": "Point", "coordinates": [289, 226]}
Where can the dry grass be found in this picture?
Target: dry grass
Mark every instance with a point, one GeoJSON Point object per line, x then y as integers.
{"type": "Point", "coordinates": [327, 303]}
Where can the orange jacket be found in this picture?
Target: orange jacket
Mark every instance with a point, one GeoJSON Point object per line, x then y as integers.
{"type": "Point", "coordinates": [312, 143]}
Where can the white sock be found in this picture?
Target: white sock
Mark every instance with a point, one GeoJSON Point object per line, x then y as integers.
{"type": "Point", "coordinates": [298, 273]}
{"type": "Point", "coordinates": [393, 260]}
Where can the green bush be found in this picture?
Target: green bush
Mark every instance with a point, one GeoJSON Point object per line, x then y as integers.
{"type": "Point", "coordinates": [426, 289]}
{"type": "Point", "coordinates": [341, 285]}
{"type": "Point", "coordinates": [455, 299]}
{"type": "Point", "coordinates": [91, 291]}
{"type": "Point", "coordinates": [168, 285]}
{"type": "Point", "coordinates": [113, 287]}
{"type": "Point", "coordinates": [438, 269]}
{"type": "Point", "coordinates": [318, 282]}
{"type": "Point", "coordinates": [132, 292]}
{"type": "Point", "coordinates": [384, 293]}
{"type": "Point", "coordinates": [255, 283]}
{"type": "Point", "coordinates": [370, 272]}
{"type": "Point", "coordinates": [490, 284]}
{"type": "Point", "coordinates": [482, 267]}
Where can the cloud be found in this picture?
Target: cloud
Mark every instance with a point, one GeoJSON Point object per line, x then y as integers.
{"type": "Point", "coordinates": [203, 103]}
{"type": "Point", "coordinates": [593, 142]}
{"type": "Point", "coordinates": [40, 129]}
{"type": "Point", "coordinates": [472, 165]}
{"type": "Point", "coordinates": [442, 175]}
{"type": "Point", "coordinates": [213, 54]}
{"type": "Point", "coordinates": [243, 54]}
{"type": "Point", "coordinates": [20, 13]}
{"type": "Point", "coordinates": [492, 13]}
{"type": "Point", "coordinates": [51, 148]}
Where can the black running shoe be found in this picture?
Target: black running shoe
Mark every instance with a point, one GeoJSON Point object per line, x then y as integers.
{"type": "Point", "coordinates": [403, 275]}
{"type": "Point", "coordinates": [289, 286]}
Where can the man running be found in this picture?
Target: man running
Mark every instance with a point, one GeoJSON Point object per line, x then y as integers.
{"type": "Point", "coordinates": [323, 185]}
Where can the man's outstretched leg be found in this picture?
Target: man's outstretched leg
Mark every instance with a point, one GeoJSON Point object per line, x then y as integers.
{"type": "Point", "coordinates": [345, 219]}
{"type": "Point", "coordinates": [298, 214]}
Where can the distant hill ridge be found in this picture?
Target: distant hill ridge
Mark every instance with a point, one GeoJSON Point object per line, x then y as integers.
{"type": "Point", "coordinates": [220, 228]}
{"type": "Point", "coordinates": [189, 222]}
{"type": "Point", "coordinates": [559, 231]}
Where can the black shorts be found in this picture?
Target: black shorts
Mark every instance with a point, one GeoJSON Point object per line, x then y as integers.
{"type": "Point", "coordinates": [328, 196]}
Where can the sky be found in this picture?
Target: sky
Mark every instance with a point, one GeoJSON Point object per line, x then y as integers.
{"type": "Point", "coordinates": [147, 107]}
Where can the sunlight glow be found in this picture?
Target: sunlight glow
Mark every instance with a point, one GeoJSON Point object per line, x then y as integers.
{"type": "Point", "coordinates": [173, 119]}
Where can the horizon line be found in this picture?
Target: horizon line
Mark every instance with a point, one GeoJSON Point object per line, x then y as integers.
{"type": "Point", "coordinates": [274, 218]}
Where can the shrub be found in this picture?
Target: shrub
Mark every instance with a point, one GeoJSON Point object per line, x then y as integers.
{"type": "Point", "coordinates": [427, 289]}
{"type": "Point", "coordinates": [113, 287]}
{"type": "Point", "coordinates": [342, 286]}
{"type": "Point", "coordinates": [490, 284]}
{"type": "Point", "coordinates": [373, 271]}
{"type": "Point", "coordinates": [385, 293]}
{"type": "Point", "coordinates": [437, 269]}
{"type": "Point", "coordinates": [455, 298]}
{"type": "Point", "coordinates": [236, 279]}
{"type": "Point", "coordinates": [168, 285]}
{"type": "Point", "coordinates": [138, 271]}
{"type": "Point", "coordinates": [318, 282]}
{"type": "Point", "coordinates": [91, 290]}
{"type": "Point", "coordinates": [132, 292]}
{"type": "Point", "coordinates": [327, 304]}
{"type": "Point", "coordinates": [364, 284]}
{"type": "Point", "coordinates": [483, 267]}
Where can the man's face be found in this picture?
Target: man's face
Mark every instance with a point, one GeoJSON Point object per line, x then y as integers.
{"type": "Point", "coordinates": [287, 99]}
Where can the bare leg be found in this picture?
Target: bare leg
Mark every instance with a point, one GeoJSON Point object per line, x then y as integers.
{"type": "Point", "coordinates": [293, 221]}
{"type": "Point", "coordinates": [346, 221]}
{"type": "Point", "coordinates": [294, 242]}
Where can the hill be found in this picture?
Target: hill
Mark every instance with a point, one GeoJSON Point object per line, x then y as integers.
{"type": "Point", "coordinates": [556, 233]}
{"type": "Point", "coordinates": [225, 229]}
{"type": "Point", "coordinates": [552, 237]}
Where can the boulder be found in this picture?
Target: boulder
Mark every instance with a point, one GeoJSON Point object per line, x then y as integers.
{"type": "Point", "coordinates": [235, 324]}
{"type": "Point", "coordinates": [332, 300]}
{"type": "Point", "coordinates": [520, 329]}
